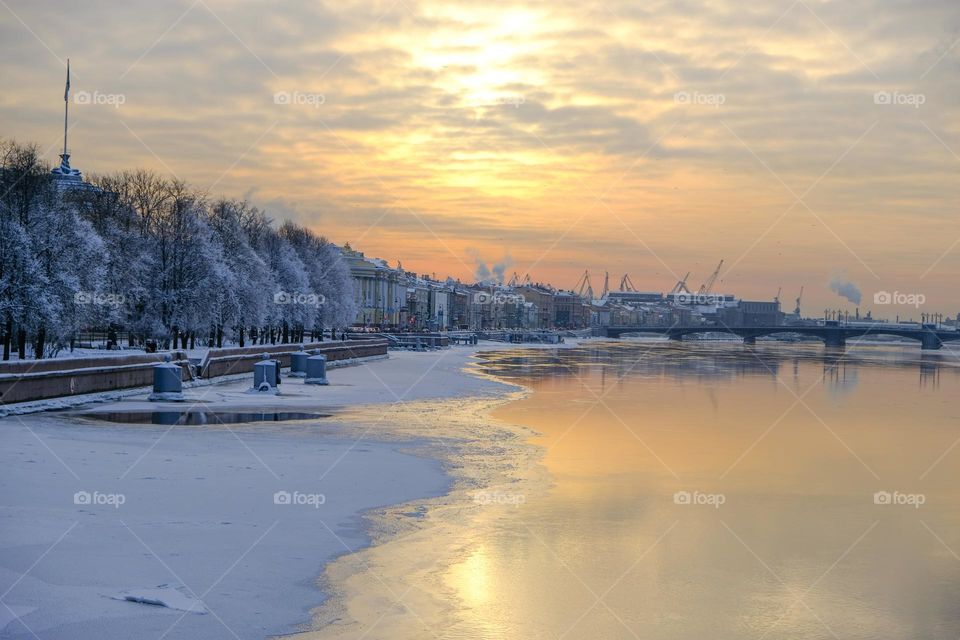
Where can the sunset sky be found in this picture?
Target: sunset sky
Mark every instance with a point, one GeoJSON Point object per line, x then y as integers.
{"type": "Point", "coordinates": [800, 141]}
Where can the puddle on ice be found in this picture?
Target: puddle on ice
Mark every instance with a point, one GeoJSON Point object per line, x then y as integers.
{"type": "Point", "coordinates": [198, 417]}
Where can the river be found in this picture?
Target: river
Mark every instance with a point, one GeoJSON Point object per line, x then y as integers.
{"type": "Point", "coordinates": [694, 490]}
{"type": "Point", "coordinates": [712, 490]}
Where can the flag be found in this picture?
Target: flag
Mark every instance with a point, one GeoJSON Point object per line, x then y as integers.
{"type": "Point", "coordinates": [66, 90]}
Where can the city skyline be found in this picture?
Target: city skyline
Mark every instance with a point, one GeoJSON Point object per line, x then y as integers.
{"type": "Point", "coordinates": [546, 138]}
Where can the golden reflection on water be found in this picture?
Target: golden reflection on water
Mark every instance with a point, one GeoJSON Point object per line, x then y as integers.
{"type": "Point", "coordinates": [794, 441]}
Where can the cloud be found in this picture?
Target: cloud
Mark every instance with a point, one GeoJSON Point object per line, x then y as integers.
{"type": "Point", "coordinates": [553, 129]}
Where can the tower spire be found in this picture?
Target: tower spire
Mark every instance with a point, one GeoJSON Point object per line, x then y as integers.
{"type": "Point", "coordinates": [65, 156]}
{"type": "Point", "coordinates": [66, 107]}
{"type": "Point", "coordinates": [64, 172]}
{"type": "Point", "coordinates": [65, 175]}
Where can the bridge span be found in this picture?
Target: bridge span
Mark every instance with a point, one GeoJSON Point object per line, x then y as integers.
{"type": "Point", "coordinates": [832, 335]}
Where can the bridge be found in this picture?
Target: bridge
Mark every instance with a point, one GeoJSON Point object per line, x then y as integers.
{"type": "Point", "coordinates": [832, 335]}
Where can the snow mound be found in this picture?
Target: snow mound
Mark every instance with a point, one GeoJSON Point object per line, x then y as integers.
{"type": "Point", "coordinates": [163, 596]}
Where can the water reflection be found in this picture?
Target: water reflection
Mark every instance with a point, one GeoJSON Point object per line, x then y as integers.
{"type": "Point", "coordinates": [709, 359]}
{"type": "Point", "coordinates": [802, 444]}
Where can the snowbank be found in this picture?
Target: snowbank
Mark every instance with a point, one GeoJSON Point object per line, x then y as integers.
{"type": "Point", "coordinates": [243, 519]}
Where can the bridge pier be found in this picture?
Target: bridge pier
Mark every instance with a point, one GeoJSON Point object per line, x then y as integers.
{"type": "Point", "coordinates": [750, 340]}
{"type": "Point", "coordinates": [930, 341]}
{"type": "Point", "coordinates": [675, 336]}
{"type": "Point", "coordinates": [834, 338]}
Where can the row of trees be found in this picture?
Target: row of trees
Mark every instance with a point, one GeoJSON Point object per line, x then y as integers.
{"type": "Point", "coordinates": [155, 259]}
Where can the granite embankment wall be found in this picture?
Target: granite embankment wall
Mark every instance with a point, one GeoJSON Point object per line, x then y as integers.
{"type": "Point", "coordinates": [42, 379]}
{"type": "Point", "coordinates": [224, 362]}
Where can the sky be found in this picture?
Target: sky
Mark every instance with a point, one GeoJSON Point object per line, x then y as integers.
{"type": "Point", "coordinates": [806, 143]}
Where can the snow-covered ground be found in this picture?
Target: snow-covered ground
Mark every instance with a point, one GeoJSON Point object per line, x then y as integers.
{"type": "Point", "coordinates": [113, 531]}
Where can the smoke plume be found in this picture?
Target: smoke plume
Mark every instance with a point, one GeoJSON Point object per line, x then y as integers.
{"type": "Point", "coordinates": [495, 273]}
{"type": "Point", "coordinates": [843, 287]}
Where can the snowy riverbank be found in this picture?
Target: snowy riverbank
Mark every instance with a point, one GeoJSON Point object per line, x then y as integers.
{"type": "Point", "coordinates": [189, 516]}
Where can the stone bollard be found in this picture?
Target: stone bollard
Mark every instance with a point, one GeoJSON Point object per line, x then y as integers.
{"type": "Point", "coordinates": [276, 368]}
{"type": "Point", "coordinates": [166, 382]}
{"type": "Point", "coordinates": [317, 370]}
{"type": "Point", "coordinates": [419, 346]}
{"type": "Point", "coordinates": [265, 375]}
{"type": "Point", "coordinates": [298, 363]}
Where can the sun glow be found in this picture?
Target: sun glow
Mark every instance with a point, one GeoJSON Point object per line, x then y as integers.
{"type": "Point", "coordinates": [472, 578]}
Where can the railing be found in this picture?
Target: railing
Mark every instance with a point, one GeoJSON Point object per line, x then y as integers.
{"type": "Point", "coordinates": [407, 340]}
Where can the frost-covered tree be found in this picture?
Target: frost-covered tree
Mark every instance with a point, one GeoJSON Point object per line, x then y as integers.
{"type": "Point", "coordinates": [70, 256]}
{"type": "Point", "coordinates": [190, 272]}
{"type": "Point", "coordinates": [144, 255]}
{"type": "Point", "coordinates": [126, 258]}
{"type": "Point", "coordinates": [248, 303]}
{"type": "Point", "coordinates": [292, 306]}
{"type": "Point", "coordinates": [328, 274]}
{"type": "Point", "coordinates": [51, 257]}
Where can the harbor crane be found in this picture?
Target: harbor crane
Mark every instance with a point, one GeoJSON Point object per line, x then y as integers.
{"type": "Point", "coordinates": [681, 286]}
{"type": "Point", "coordinates": [584, 288]}
{"type": "Point", "coordinates": [707, 286]}
{"type": "Point", "coordinates": [796, 310]}
{"type": "Point", "coordinates": [626, 284]}
{"type": "Point", "coordinates": [516, 282]}
{"type": "Point", "coordinates": [776, 298]}
{"type": "Point", "coordinates": [606, 285]}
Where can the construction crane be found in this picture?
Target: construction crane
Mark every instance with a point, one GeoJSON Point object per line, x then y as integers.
{"type": "Point", "coordinates": [708, 285]}
{"type": "Point", "coordinates": [681, 286]}
{"type": "Point", "coordinates": [606, 285]}
{"type": "Point", "coordinates": [626, 284]}
{"type": "Point", "coordinates": [583, 287]}
{"type": "Point", "coordinates": [796, 310]}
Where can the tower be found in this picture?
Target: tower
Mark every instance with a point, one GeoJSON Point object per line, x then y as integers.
{"type": "Point", "coordinates": [66, 176]}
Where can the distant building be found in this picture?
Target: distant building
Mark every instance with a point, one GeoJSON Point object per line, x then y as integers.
{"type": "Point", "coordinates": [570, 311]}
{"type": "Point", "coordinates": [751, 313]}
{"type": "Point", "coordinates": [378, 290]}
{"type": "Point", "coordinates": [418, 304]}
{"type": "Point", "coordinates": [634, 298]}
{"type": "Point", "coordinates": [543, 298]}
